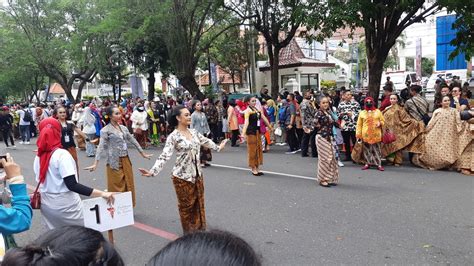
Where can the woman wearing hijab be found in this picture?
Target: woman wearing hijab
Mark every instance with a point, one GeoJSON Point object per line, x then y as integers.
{"type": "Point", "coordinates": [328, 171]}
{"type": "Point", "coordinates": [56, 173]}
{"type": "Point", "coordinates": [113, 140]}
{"type": "Point", "coordinates": [140, 124]}
{"type": "Point", "coordinates": [187, 172]}
{"type": "Point", "coordinates": [88, 122]}
{"type": "Point", "coordinates": [405, 128]}
{"type": "Point", "coordinates": [369, 131]}
{"type": "Point", "coordinates": [254, 119]}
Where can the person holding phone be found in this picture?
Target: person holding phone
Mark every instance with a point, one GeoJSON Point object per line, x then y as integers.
{"type": "Point", "coordinates": [17, 218]}
{"type": "Point", "coordinates": [56, 174]}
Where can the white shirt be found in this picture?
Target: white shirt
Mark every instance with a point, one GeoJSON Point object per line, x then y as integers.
{"type": "Point", "coordinates": [21, 113]}
{"type": "Point", "coordinates": [61, 165]}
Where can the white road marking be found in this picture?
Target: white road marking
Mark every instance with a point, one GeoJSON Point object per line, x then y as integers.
{"type": "Point", "coordinates": [266, 172]}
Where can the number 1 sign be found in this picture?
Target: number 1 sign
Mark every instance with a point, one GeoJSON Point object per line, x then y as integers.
{"type": "Point", "coordinates": [100, 216]}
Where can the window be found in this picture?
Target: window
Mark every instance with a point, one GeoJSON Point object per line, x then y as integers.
{"type": "Point", "coordinates": [309, 82]}
{"type": "Point", "coordinates": [285, 78]}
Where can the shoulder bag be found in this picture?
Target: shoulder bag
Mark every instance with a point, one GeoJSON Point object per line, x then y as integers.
{"type": "Point", "coordinates": [425, 117]}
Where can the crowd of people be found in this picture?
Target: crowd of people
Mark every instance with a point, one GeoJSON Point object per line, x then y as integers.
{"type": "Point", "coordinates": [336, 128]}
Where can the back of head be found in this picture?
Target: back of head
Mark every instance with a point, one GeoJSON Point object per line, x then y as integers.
{"type": "Point", "coordinates": [70, 245]}
{"type": "Point", "coordinates": [415, 88]}
{"type": "Point", "coordinates": [207, 248]}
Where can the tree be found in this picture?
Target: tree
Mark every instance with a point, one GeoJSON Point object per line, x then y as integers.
{"type": "Point", "coordinates": [19, 75]}
{"type": "Point", "coordinates": [230, 52]}
{"type": "Point", "coordinates": [132, 29]}
{"type": "Point", "coordinates": [188, 29]}
{"type": "Point", "coordinates": [278, 22]}
{"type": "Point", "coordinates": [59, 37]}
{"type": "Point", "coordinates": [427, 65]}
{"type": "Point", "coordinates": [383, 22]}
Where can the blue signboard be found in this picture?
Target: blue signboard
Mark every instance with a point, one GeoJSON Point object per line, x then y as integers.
{"type": "Point", "coordinates": [444, 34]}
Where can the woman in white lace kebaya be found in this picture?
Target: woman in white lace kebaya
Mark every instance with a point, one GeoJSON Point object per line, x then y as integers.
{"type": "Point", "coordinates": [187, 172]}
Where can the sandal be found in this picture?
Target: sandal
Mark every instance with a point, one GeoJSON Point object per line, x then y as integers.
{"type": "Point", "coordinates": [324, 184]}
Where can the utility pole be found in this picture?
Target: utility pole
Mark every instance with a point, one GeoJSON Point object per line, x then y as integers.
{"type": "Point", "coordinates": [253, 88]}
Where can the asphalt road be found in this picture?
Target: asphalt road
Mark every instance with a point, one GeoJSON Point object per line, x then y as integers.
{"type": "Point", "coordinates": [402, 216]}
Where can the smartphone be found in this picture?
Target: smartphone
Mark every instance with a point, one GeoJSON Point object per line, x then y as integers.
{"type": "Point", "coordinates": [2, 157]}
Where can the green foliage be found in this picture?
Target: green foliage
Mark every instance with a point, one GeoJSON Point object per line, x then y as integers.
{"type": "Point", "coordinates": [427, 65]}
{"type": "Point", "coordinates": [328, 83]}
{"type": "Point", "coordinates": [464, 24]}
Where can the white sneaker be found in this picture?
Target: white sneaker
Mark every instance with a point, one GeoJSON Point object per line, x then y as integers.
{"type": "Point", "coordinates": [21, 142]}
{"type": "Point", "coordinates": [14, 147]}
{"type": "Point", "coordinates": [340, 164]}
{"type": "Point", "coordinates": [27, 143]}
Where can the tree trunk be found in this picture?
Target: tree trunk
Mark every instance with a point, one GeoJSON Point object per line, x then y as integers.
{"type": "Point", "coordinates": [375, 62]}
{"type": "Point", "coordinates": [274, 66]}
{"type": "Point", "coordinates": [151, 83]}
{"type": "Point", "coordinates": [190, 84]}
{"type": "Point", "coordinates": [68, 90]}
{"type": "Point", "coordinates": [79, 91]}
{"type": "Point", "coordinates": [233, 78]}
{"type": "Point", "coordinates": [114, 92]}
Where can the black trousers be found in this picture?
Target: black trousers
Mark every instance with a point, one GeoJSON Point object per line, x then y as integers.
{"type": "Point", "coordinates": [292, 139]}
{"type": "Point", "coordinates": [299, 136]}
{"type": "Point", "coordinates": [214, 131]}
{"type": "Point", "coordinates": [348, 136]}
{"type": "Point", "coordinates": [6, 133]}
{"type": "Point", "coordinates": [235, 137]}
{"type": "Point", "coordinates": [309, 140]}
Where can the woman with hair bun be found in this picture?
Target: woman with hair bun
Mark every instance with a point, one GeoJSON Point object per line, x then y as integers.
{"type": "Point", "coordinates": [113, 140]}
{"type": "Point", "coordinates": [68, 245]}
{"type": "Point", "coordinates": [187, 173]}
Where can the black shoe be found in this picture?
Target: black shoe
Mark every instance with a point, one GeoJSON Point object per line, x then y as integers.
{"type": "Point", "coordinates": [260, 173]}
{"type": "Point", "coordinates": [314, 155]}
{"type": "Point", "coordinates": [255, 174]}
{"type": "Point", "coordinates": [236, 145]}
{"type": "Point", "coordinates": [304, 155]}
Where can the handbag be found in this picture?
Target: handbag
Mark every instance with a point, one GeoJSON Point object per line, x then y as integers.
{"type": "Point", "coordinates": [278, 131]}
{"type": "Point", "coordinates": [388, 137]}
{"type": "Point", "coordinates": [138, 131]}
{"type": "Point", "coordinates": [424, 117]}
{"type": "Point", "coordinates": [35, 198]}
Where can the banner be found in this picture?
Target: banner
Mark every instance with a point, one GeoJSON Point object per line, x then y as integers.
{"type": "Point", "coordinates": [418, 59]}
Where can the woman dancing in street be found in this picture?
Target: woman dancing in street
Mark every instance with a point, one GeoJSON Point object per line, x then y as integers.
{"type": "Point", "coordinates": [251, 130]}
{"type": "Point", "coordinates": [119, 168]}
{"type": "Point", "coordinates": [328, 171]}
{"type": "Point", "coordinates": [187, 173]}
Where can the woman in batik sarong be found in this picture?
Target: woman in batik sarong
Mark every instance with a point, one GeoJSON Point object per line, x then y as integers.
{"type": "Point", "coordinates": [405, 128]}
{"type": "Point", "coordinates": [254, 120]}
{"type": "Point", "coordinates": [447, 137]}
{"type": "Point", "coordinates": [187, 173]}
{"type": "Point", "coordinates": [328, 172]}
{"type": "Point", "coordinates": [369, 131]}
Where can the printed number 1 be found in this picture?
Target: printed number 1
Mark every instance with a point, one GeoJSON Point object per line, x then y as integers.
{"type": "Point", "coordinates": [97, 214]}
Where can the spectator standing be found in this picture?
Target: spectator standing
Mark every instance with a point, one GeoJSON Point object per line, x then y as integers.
{"type": "Point", "coordinates": [88, 122]}
{"type": "Point", "coordinates": [25, 120]}
{"type": "Point", "coordinates": [290, 125]}
{"type": "Point", "coordinates": [348, 111]}
{"type": "Point", "coordinates": [457, 101]}
{"type": "Point", "coordinates": [417, 106]}
{"type": "Point", "coordinates": [6, 126]}
{"type": "Point", "coordinates": [308, 111]}
{"type": "Point", "coordinates": [233, 123]}
{"type": "Point", "coordinates": [140, 125]}
{"type": "Point", "coordinates": [200, 124]}
{"type": "Point", "coordinates": [387, 91]}
{"type": "Point", "coordinates": [369, 131]}
{"type": "Point", "coordinates": [212, 115]}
